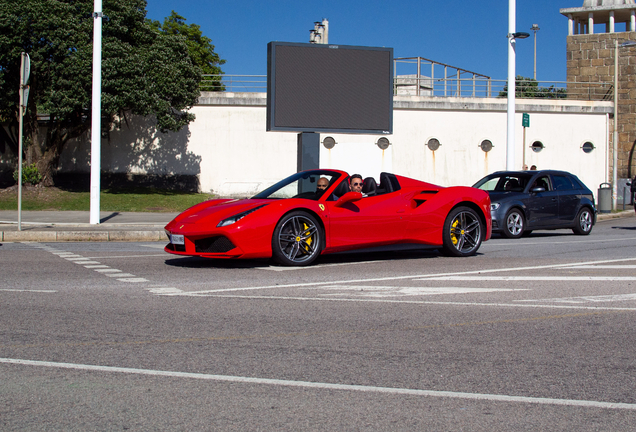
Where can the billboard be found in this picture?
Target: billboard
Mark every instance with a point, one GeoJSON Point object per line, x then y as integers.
{"type": "Point", "coordinates": [329, 88]}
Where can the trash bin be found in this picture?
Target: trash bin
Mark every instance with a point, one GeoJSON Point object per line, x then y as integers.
{"type": "Point", "coordinates": [605, 198]}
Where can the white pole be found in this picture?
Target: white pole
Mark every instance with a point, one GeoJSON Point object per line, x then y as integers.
{"type": "Point", "coordinates": [96, 113]}
{"type": "Point", "coordinates": [615, 143]}
{"type": "Point", "coordinates": [510, 141]}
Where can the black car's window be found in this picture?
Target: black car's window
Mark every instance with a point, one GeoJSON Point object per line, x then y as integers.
{"type": "Point", "coordinates": [542, 182]}
{"type": "Point", "coordinates": [504, 183]}
{"type": "Point", "coordinates": [562, 183]}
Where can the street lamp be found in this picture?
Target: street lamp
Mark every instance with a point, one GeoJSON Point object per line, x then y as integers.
{"type": "Point", "coordinates": [535, 28]}
{"type": "Point", "coordinates": [513, 35]}
{"type": "Point", "coordinates": [615, 143]}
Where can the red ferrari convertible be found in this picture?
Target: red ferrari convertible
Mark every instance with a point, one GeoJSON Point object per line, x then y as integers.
{"type": "Point", "coordinates": [294, 221]}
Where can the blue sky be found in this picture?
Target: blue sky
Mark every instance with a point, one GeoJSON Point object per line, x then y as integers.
{"type": "Point", "coordinates": [466, 34]}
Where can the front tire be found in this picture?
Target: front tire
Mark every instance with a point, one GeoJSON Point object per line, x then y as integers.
{"type": "Point", "coordinates": [584, 222]}
{"type": "Point", "coordinates": [462, 233]}
{"type": "Point", "coordinates": [297, 239]}
{"type": "Point", "coordinates": [514, 224]}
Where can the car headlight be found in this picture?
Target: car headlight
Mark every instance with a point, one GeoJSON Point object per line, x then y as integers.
{"type": "Point", "coordinates": [237, 217]}
{"type": "Point", "coordinates": [494, 206]}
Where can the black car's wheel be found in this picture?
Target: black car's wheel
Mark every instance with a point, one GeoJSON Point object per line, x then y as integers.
{"type": "Point", "coordinates": [463, 232]}
{"type": "Point", "coordinates": [297, 239]}
{"type": "Point", "coordinates": [584, 222]}
{"type": "Point", "coordinates": [514, 224]}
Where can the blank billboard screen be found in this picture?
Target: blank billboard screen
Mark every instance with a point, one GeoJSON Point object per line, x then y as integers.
{"type": "Point", "coordinates": [329, 88]}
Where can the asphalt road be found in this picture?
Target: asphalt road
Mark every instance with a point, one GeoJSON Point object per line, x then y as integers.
{"type": "Point", "coordinates": [531, 334]}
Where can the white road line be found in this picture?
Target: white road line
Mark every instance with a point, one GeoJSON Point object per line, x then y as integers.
{"type": "Point", "coordinates": [329, 386]}
{"type": "Point", "coordinates": [121, 275]}
{"type": "Point", "coordinates": [97, 266]}
{"type": "Point", "coordinates": [132, 279]}
{"type": "Point", "coordinates": [28, 290]}
{"type": "Point", "coordinates": [107, 270]}
{"type": "Point", "coordinates": [87, 262]}
{"type": "Point", "coordinates": [567, 242]}
{"type": "Point", "coordinates": [419, 302]}
{"type": "Point", "coordinates": [586, 299]}
{"type": "Point", "coordinates": [531, 278]}
{"type": "Point", "coordinates": [421, 276]}
{"type": "Point", "coordinates": [609, 267]}
{"type": "Point", "coordinates": [132, 256]}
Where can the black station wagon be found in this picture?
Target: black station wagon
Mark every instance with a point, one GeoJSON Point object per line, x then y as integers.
{"type": "Point", "coordinates": [522, 201]}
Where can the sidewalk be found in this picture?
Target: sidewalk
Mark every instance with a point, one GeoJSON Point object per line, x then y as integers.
{"type": "Point", "coordinates": [56, 226]}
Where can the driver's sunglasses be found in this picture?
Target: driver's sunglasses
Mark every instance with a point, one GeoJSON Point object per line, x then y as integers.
{"type": "Point", "coordinates": [356, 184]}
{"type": "Point", "coordinates": [322, 186]}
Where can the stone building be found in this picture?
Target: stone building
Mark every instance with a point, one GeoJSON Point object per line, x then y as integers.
{"type": "Point", "coordinates": [597, 36]}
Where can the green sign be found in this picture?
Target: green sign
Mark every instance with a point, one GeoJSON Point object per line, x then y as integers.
{"type": "Point", "coordinates": [525, 122]}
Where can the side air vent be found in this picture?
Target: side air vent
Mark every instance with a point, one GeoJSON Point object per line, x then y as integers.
{"type": "Point", "coordinates": [217, 244]}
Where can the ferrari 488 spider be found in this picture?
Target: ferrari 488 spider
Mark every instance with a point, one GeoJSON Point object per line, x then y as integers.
{"type": "Point", "coordinates": [294, 221]}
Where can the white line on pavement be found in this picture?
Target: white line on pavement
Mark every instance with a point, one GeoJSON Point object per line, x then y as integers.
{"type": "Point", "coordinates": [421, 302]}
{"type": "Point", "coordinates": [421, 276]}
{"type": "Point", "coordinates": [530, 278]}
{"type": "Point", "coordinates": [27, 290]}
{"type": "Point", "coordinates": [329, 386]}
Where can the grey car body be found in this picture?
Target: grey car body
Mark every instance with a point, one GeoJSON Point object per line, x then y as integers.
{"type": "Point", "coordinates": [522, 201]}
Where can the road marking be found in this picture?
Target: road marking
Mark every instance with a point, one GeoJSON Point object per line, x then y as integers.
{"type": "Point", "coordinates": [609, 267]}
{"type": "Point", "coordinates": [328, 386]}
{"type": "Point", "coordinates": [413, 277]}
{"type": "Point", "coordinates": [164, 290]}
{"type": "Point", "coordinates": [531, 278]}
{"type": "Point", "coordinates": [119, 274]}
{"type": "Point", "coordinates": [418, 302]}
{"type": "Point", "coordinates": [97, 266]}
{"type": "Point", "coordinates": [390, 291]}
{"type": "Point", "coordinates": [587, 299]}
{"type": "Point", "coordinates": [131, 256]}
{"type": "Point", "coordinates": [27, 290]}
{"type": "Point", "coordinates": [132, 279]}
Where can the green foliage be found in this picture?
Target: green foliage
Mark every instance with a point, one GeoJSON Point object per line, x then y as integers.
{"type": "Point", "coordinates": [30, 174]}
{"type": "Point", "coordinates": [200, 48]}
{"type": "Point", "coordinates": [145, 70]}
{"type": "Point", "coordinates": [529, 88]}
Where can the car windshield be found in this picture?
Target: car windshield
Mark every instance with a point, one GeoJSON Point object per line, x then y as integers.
{"type": "Point", "coordinates": [505, 182]}
{"type": "Point", "coordinates": [301, 185]}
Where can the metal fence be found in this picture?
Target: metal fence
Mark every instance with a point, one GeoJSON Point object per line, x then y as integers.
{"type": "Point", "coordinates": [453, 82]}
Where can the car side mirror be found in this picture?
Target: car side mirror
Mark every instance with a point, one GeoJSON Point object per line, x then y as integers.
{"type": "Point", "coordinates": [348, 197]}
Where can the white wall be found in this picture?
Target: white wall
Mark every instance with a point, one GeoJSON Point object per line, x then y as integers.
{"type": "Point", "coordinates": [229, 149]}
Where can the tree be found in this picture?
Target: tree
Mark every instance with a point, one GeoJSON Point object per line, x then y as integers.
{"type": "Point", "coordinates": [200, 48]}
{"type": "Point", "coordinates": [144, 71]}
{"type": "Point", "coordinates": [529, 88]}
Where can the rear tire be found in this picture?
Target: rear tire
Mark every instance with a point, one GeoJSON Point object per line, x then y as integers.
{"type": "Point", "coordinates": [297, 239]}
{"type": "Point", "coordinates": [514, 224]}
{"type": "Point", "coordinates": [462, 233]}
{"type": "Point", "coordinates": [584, 222]}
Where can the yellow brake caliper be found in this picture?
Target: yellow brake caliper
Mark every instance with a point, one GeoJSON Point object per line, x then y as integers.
{"type": "Point", "coordinates": [309, 239]}
{"type": "Point", "coordinates": [452, 233]}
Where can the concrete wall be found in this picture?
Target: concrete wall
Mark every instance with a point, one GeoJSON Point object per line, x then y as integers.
{"type": "Point", "coordinates": [229, 150]}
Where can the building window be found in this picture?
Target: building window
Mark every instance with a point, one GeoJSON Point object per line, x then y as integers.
{"type": "Point", "coordinates": [329, 142]}
{"type": "Point", "coordinates": [537, 146]}
{"type": "Point", "coordinates": [587, 147]}
{"type": "Point", "coordinates": [486, 145]}
{"type": "Point", "coordinates": [383, 143]}
{"type": "Point", "coordinates": [433, 144]}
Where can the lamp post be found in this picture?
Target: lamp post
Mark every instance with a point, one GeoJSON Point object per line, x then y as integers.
{"type": "Point", "coordinates": [512, 36]}
{"type": "Point", "coordinates": [615, 137]}
{"type": "Point", "coordinates": [535, 28]}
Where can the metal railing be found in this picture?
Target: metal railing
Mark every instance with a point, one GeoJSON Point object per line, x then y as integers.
{"type": "Point", "coordinates": [453, 85]}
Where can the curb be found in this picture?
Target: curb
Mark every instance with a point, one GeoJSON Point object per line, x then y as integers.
{"type": "Point", "coordinates": [75, 236]}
